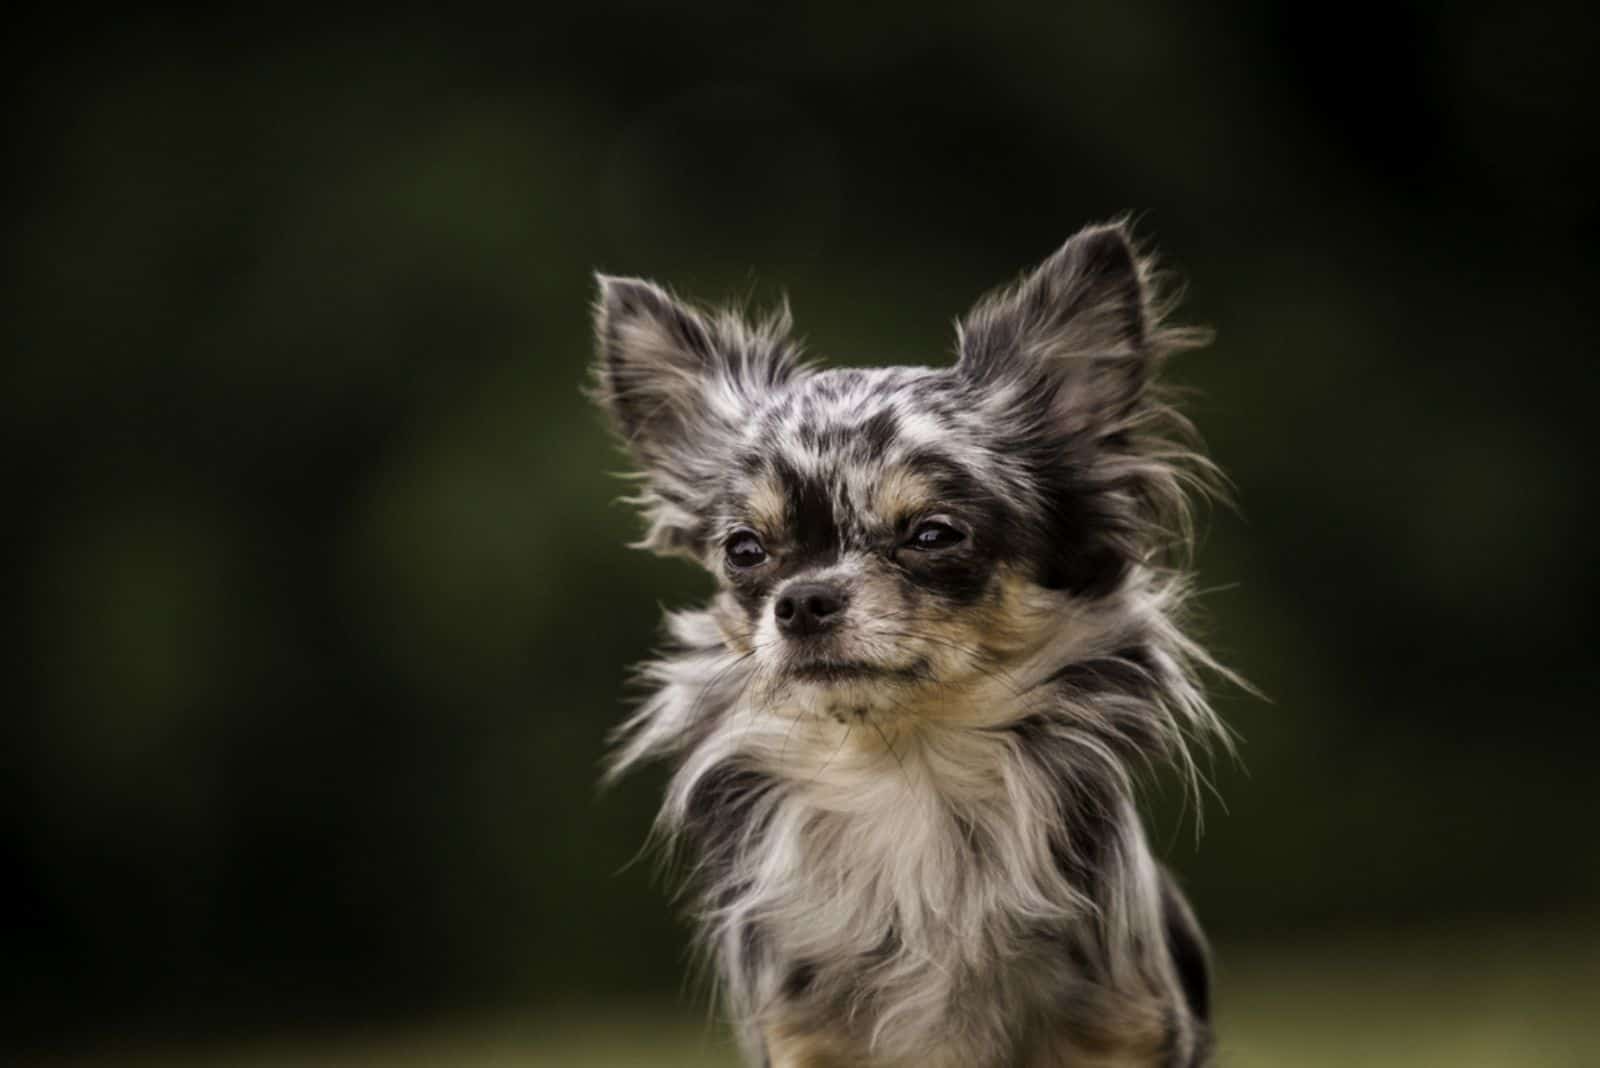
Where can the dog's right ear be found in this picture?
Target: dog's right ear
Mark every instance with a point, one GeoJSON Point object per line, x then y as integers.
{"type": "Point", "coordinates": [663, 368]}
{"type": "Point", "coordinates": [653, 359]}
{"type": "Point", "coordinates": [679, 386]}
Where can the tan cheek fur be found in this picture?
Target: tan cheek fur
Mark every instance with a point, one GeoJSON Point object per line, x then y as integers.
{"type": "Point", "coordinates": [1012, 622]}
{"type": "Point", "coordinates": [833, 732]}
{"type": "Point", "coordinates": [966, 647]}
{"type": "Point", "coordinates": [734, 626]}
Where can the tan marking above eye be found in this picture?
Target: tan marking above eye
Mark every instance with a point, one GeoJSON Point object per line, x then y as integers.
{"type": "Point", "coordinates": [767, 505]}
{"type": "Point", "coordinates": [902, 493]}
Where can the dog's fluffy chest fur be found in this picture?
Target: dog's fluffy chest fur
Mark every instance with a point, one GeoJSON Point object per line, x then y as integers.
{"type": "Point", "coordinates": [911, 891]}
{"type": "Point", "coordinates": [902, 912]}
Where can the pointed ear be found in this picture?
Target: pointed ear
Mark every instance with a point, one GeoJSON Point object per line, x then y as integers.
{"type": "Point", "coordinates": [653, 360]}
{"type": "Point", "coordinates": [663, 370]}
{"type": "Point", "coordinates": [1078, 329]}
{"type": "Point", "coordinates": [678, 386]}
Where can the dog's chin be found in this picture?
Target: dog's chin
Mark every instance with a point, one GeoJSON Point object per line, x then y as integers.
{"type": "Point", "coordinates": [836, 673]}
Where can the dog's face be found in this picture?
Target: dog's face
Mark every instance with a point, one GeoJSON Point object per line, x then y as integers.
{"type": "Point", "coordinates": [871, 540]}
{"type": "Point", "coordinates": [890, 539]}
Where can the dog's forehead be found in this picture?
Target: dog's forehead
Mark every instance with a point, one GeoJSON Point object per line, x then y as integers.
{"type": "Point", "coordinates": [859, 417]}
{"type": "Point", "coordinates": [871, 441]}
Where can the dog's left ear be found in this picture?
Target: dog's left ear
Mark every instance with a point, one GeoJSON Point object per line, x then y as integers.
{"type": "Point", "coordinates": [1077, 330]}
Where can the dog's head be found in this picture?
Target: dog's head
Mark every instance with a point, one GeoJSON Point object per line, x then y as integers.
{"type": "Point", "coordinates": [884, 537]}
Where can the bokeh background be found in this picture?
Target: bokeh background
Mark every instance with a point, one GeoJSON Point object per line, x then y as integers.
{"type": "Point", "coordinates": [322, 607]}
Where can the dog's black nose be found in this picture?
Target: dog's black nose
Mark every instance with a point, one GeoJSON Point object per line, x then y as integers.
{"type": "Point", "coordinates": [809, 608]}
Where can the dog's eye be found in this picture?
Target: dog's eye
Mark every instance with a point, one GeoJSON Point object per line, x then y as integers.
{"type": "Point", "coordinates": [935, 534]}
{"type": "Point", "coordinates": [744, 549]}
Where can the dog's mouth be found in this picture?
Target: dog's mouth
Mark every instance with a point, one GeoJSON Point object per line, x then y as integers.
{"type": "Point", "coordinates": [835, 671]}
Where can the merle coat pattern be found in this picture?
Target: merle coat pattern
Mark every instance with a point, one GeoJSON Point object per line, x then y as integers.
{"type": "Point", "coordinates": [946, 639]}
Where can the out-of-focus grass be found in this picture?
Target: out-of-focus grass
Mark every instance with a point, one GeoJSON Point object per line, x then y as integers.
{"type": "Point", "coordinates": [1511, 1000]}
{"type": "Point", "coordinates": [1514, 1000]}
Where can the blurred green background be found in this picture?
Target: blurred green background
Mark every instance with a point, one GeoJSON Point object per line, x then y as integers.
{"type": "Point", "coordinates": [322, 607]}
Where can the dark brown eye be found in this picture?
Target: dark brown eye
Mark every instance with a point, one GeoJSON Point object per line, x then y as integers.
{"type": "Point", "coordinates": [933, 534]}
{"type": "Point", "coordinates": [744, 549]}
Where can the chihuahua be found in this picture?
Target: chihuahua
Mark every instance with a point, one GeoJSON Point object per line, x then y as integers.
{"type": "Point", "coordinates": [947, 637]}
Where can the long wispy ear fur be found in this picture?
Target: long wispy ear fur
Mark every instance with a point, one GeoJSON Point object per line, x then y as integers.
{"type": "Point", "coordinates": [1084, 325]}
{"type": "Point", "coordinates": [678, 385]}
{"type": "Point", "coordinates": [1075, 350]}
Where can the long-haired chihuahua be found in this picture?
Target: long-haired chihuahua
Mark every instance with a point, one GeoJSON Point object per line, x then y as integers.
{"type": "Point", "coordinates": [947, 637]}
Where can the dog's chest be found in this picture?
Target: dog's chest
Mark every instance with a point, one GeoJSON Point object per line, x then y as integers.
{"type": "Point", "coordinates": [901, 910]}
